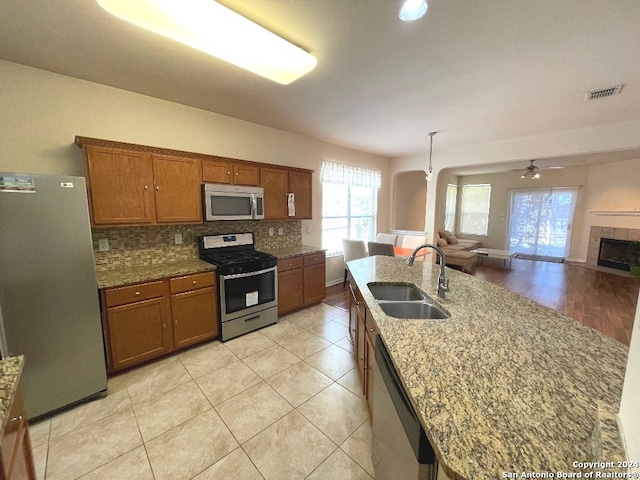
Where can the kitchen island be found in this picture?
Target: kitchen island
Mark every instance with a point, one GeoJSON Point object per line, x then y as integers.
{"type": "Point", "coordinates": [505, 385]}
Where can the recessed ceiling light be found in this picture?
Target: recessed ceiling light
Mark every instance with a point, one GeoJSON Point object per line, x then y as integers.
{"type": "Point", "coordinates": [413, 10]}
{"type": "Point", "coordinates": [216, 30]}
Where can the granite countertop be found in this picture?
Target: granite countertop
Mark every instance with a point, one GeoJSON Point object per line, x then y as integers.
{"type": "Point", "coordinates": [10, 371]}
{"type": "Point", "coordinates": [290, 252]}
{"type": "Point", "coordinates": [129, 275]}
{"type": "Point", "coordinates": [505, 385]}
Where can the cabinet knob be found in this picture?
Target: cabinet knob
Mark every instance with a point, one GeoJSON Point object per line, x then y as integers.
{"type": "Point", "coordinates": [146, 187]}
{"type": "Point", "coordinates": [175, 322]}
{"type": "Point", "coordinates": [157, 187]}
{"type": "Point", "coordinates": [236, 174]}
{"type": "Point", "coordinates": [137, 293]}
{"type": "Point", "coordinates": [193, 283]}
{"type": "Point", "coordinates": [228, 173]}
{"type": "Point", "coordinates": [164, 325]}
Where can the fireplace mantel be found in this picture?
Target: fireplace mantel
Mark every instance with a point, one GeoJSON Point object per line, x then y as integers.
{"type": "Point", "coordinates": [621, 213]}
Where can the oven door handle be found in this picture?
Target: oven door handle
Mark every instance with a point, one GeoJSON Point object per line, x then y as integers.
{"type": "Point", "coordinates": [247, 274]}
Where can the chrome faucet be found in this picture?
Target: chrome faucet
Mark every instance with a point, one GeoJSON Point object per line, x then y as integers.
{"type": "Point", "coordinates": [443, 283]}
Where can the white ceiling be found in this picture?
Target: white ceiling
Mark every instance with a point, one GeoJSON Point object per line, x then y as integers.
{"type": "Point", "coordinates": [477, 71]}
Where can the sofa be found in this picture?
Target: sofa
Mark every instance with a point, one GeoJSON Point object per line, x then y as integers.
{"type": "Point", "coordinates": [457, 252]}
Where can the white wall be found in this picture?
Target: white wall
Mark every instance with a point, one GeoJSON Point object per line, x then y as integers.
{"type": "Point", "coordinates": [42, 112]}
{"type": "Point", "coordinates": [629, 415]}
{"type": "Point", "coordinates": [410, 201]}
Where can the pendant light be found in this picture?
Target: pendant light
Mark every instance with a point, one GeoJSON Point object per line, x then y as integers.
{"type": "Point", "coordinates": [430, 170]}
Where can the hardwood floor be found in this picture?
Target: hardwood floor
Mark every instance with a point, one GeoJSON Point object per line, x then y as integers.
{"type": "Point", "coordinates": [603, 301]}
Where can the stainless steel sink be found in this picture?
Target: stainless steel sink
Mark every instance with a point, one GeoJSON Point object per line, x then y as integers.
{"type": "Point", "coordinates": [412, 310]}
{"type": "Point", "coordinates": [395, 292]}
{"type": "Point", "coordinates": [405, 301]}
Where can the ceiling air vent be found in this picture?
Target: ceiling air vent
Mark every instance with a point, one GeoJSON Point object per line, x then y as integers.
{"type": "Point", "coordinates": [605, 92]}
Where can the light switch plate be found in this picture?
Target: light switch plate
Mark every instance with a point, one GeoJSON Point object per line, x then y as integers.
{"type": "Point", "coordinates": [280, 231]}
{"type": "Point", "coordinates": [178, 238]}
{"type": "Point", "coordinates": [103, 245]}
{"type": "Point", "coordinates": [271, 231]}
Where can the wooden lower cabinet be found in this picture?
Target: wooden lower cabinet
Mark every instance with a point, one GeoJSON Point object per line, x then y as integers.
{"type": "Point", "coordinates": [314, 278]}
{"type": "Point", "coordinates": [290, 286]}
{"type": "Point", "coordinates": [363, 331]}
{"type": "Point", "coordinates": [301, 282]}
{"type": "Point", "coordinates": [16, 459]}
{"type": "Point", "coordinates": [148, 320]}
{"type": "Point", "coordinates": [194, 312]}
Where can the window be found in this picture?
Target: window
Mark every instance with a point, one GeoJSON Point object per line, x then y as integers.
{"type": "Point", "coordinates": [349, 204]}
{"type": "Point", "coordinates": [474, 209]}
{"type": "Point", "coordinates": [450, 208]}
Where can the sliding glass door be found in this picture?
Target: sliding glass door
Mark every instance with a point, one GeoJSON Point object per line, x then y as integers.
{"type": "Point", "coordinates": [540, 221]}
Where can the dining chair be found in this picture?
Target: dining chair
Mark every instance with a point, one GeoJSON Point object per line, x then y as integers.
{"type": "Point", "coordinates": [353, 250]}
{"type": "Point", "coordinates": [380, 248]}
{"type": "Point", "coordinates": [387, 238]}
{"type": "Point", "coordinates": [412, 241]}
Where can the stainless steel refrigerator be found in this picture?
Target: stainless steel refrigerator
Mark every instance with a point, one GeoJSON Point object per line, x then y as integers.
{"type": "Point", "coordinates": [49, 308]}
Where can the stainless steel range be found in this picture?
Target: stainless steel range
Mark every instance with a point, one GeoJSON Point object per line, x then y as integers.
{"type": "Point", "coordinates": [247, 282]}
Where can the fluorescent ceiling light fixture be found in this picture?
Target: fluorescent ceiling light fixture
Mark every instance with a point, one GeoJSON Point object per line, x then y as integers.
{"type": "Point", "coordinates": [413, 10]}
{"type": "Point", "coordinates": [216, 30]}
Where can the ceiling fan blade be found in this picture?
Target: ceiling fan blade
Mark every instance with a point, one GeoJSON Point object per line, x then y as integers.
{"type": "Point", "coordinates": [549, 168]}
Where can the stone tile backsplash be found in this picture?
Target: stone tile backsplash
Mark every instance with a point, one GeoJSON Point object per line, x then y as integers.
{"type": "Point", "coordinates": [154, 245]}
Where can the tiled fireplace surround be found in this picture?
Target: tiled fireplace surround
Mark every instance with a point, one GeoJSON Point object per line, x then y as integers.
{"type": "Point", "coordinates": [597, 233]}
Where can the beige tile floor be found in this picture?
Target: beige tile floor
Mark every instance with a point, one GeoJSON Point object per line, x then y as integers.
{"type": "Point", "coordinates": [281, 403]}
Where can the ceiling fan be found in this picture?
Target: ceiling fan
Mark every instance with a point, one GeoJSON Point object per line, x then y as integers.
{"type": "Point", "coordinates": [532, 170]}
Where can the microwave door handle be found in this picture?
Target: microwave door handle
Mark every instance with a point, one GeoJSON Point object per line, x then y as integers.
{"type": "Point", "coordinates": [254, 207]}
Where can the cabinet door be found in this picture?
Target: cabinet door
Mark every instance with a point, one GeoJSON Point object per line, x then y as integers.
{"type": "Point", "coordinates": [120, 184]}
{"type": "Point", "coordinates": [314, 278]}
{"type": "Point", "coordinates": [290, 290]}
{"type": "Point", "coordinates": [245, 174]}
{"type": "Point", "coordinates": [177, 189]}
{"type": "Point", "coordinates": [139, 331]}
{"type": "Point", "coordinates": [314, 283]}
{"type": "Point", "coordinates": [275, 183]}
{"type": "Point", "coordinates": [217, 171]}
{"type": "Point", "coordinates": [195, 316]}
{"type": "Point", "coordinates": [300, 186]}
{"type": "Point", "coordinates": [16, 461]}
{"type": "Point", "coordinates": [361, 347]}
{"type": "Point", "coordinates": [370, 359]}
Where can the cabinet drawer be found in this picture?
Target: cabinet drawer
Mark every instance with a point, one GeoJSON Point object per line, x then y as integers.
{"type": "Point", "coordinates": [192, 282]}
{"type": "Point", "coordinates": [134, 293]}
{"type": "Point", "coordinates": [313, 259]}
{"type": "Point", "coordinates": [290, 263]}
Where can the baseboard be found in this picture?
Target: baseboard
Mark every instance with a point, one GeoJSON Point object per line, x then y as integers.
{"type": "Point", "coordinates": [333, 282]}
{"type": "Point", "coordinates": [575, 260]}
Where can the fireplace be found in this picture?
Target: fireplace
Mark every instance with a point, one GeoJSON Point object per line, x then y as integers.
{"type": "Point", "coordinates": [616, 253]}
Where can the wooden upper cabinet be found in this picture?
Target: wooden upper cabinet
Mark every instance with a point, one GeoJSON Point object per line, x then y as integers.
{"type": "Point", "coordinates": [275, 182]}
{"type": "Point", "coordinates": [178, 195]}
{"type": "Point", "coordinates": [246, 174]}
{"type": "Point", "coordinates": [230, 172]}
{"type": "Point", "coordinates": [120, 185]}
{"type": "Point", "coordinates": [217, 171]}
{"type": "Point", "coordinates": [300, 186]}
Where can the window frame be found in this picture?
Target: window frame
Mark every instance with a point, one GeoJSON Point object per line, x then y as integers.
{"type": "Point", "coordinates": [450, 213]}
{"type": "Point", "coordinates": [350, 181]}
{"type": "Point", "coordinates": [465, 212]}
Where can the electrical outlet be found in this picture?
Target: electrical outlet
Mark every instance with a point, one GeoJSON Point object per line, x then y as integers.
{"type": "Point", "coordinates": [178, 238]}
{"type": "Point", "coordinates": [281, 231]}
{"type": "Point", "coordinates": [271, 231]}
{"type": "Point", "coordinates": [308, 229]}
{"type": "Point", "coordinates": [103, 245]}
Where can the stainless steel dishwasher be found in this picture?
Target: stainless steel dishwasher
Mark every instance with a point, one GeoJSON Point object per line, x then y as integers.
{"type": "Point", "coordinates": [400, 450]}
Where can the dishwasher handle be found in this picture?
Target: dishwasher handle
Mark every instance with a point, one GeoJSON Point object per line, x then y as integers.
{"type": "Point", "coordinates": [408, 417]}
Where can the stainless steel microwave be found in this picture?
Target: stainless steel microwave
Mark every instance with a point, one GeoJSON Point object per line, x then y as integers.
{"type": "Point", "coordinates": [233, 202]}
